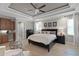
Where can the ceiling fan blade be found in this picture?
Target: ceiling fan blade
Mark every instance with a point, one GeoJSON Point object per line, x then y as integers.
{"type": "Point", "coordinates": [33, 5]}
{"type": "Point", "coordinates": [42, 6]}
{"type": "Point", "coordinates": [42, 11]}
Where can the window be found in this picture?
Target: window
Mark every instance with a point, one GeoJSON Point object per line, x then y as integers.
{"type": "Point", "coordinates": [70, 27]}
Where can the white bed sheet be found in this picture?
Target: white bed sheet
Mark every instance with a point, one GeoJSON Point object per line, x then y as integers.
{"type": "Point", "coordinates": [42, 38]}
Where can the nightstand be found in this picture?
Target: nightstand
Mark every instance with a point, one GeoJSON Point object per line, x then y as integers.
{"type": "Point", "coordinates": [61, 39]}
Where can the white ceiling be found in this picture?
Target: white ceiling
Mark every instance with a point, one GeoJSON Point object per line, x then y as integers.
{"type": "Point", "coordinates": [9, 12]}
{"type": "Point", "coordinates": [28, 9]}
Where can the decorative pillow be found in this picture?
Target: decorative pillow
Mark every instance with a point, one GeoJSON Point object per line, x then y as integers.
{"type": "Point", "coordinates": [44, 32]}
{"type": "Point", "coordinates": [48, 32]}
{"type": "Point", "coordinates": [52, 32]}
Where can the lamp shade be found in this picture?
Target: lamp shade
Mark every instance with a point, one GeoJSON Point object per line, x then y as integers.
{"type": "Point", "coordinates": [61, 31]}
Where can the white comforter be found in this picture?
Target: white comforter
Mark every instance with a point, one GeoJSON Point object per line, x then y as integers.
{"type": "Point", "coordinates": [42, 38]}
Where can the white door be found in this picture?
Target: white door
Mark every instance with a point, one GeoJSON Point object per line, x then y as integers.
{"type": "Point", "coordinates": [21, 30]}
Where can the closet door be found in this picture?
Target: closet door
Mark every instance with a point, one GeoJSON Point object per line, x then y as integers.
{"type": "Point", "coordinates": [0, 39]}
{"type": "Point", "coordinates": [12, 25]}
{"type": "Point", "coordinates": [8, 24]}
{"type": "Point", "coordinates": [4, 38]}
{"type": "Point", "coordinates": [3, 23]}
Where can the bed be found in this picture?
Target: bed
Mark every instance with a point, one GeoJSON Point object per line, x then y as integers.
{"type": "Point", "coordinates": [46, 39]}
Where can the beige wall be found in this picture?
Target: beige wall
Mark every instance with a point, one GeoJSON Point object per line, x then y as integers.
{"type": "Point", "coordinates": [21, 29]}
{"type": "Point", "coordinates": [61, 23]}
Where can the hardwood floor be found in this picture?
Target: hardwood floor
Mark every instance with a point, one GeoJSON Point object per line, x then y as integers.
{"type": "Point", "coordinates": [56, 50]}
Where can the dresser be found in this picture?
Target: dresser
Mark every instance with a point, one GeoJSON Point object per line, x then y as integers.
{"type": "Point", "coordinates": [29, 32]}
{"type": "Point", "coordinates": [3, 38]}
{"type": "Point", "coordinates": [61, 39]}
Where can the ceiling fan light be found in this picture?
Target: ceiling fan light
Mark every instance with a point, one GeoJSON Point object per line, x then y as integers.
{"type": "Point", "coordinates": [36, 11]}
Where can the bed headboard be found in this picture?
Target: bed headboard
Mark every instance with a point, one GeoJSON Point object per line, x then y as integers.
{"type": "Point", "coordinates": [50, 31]}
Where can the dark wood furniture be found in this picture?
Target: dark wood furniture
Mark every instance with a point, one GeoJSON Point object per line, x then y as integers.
{"type": "Point", "coordinates": [61, 39]}
{"type": "Point", "coordinates": [29, 32]}
{"type": "Point", "coordinates": [43, 45]}
{"type": "Point", "coordinates": [3, 38]}
{"type": "Point", "coordinates": [7, 24]}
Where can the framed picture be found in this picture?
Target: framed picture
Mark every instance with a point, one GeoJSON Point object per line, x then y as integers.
{"type": "Point", "coordinates": [45, 24]}
{"type": "Point", "coordinates": [54, 24]}
{"type": "Point", "coordinates": [49, 24]}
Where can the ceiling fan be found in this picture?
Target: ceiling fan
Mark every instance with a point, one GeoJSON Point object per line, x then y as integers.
{"type": "Point", "coordinates": [37, 10]}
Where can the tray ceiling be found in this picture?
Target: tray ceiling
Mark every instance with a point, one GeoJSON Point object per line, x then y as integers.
{"type": "Point", "coordinates": [40, 8]}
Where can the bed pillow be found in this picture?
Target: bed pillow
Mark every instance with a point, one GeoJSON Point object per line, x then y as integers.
{"type": "Point", "coordinates": [44, 32]}
{"type": "Point", "coordinates": [52, 32]}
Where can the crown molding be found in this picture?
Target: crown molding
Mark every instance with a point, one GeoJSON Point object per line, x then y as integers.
{"type": "Point", "coordinates": [5, 11]}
